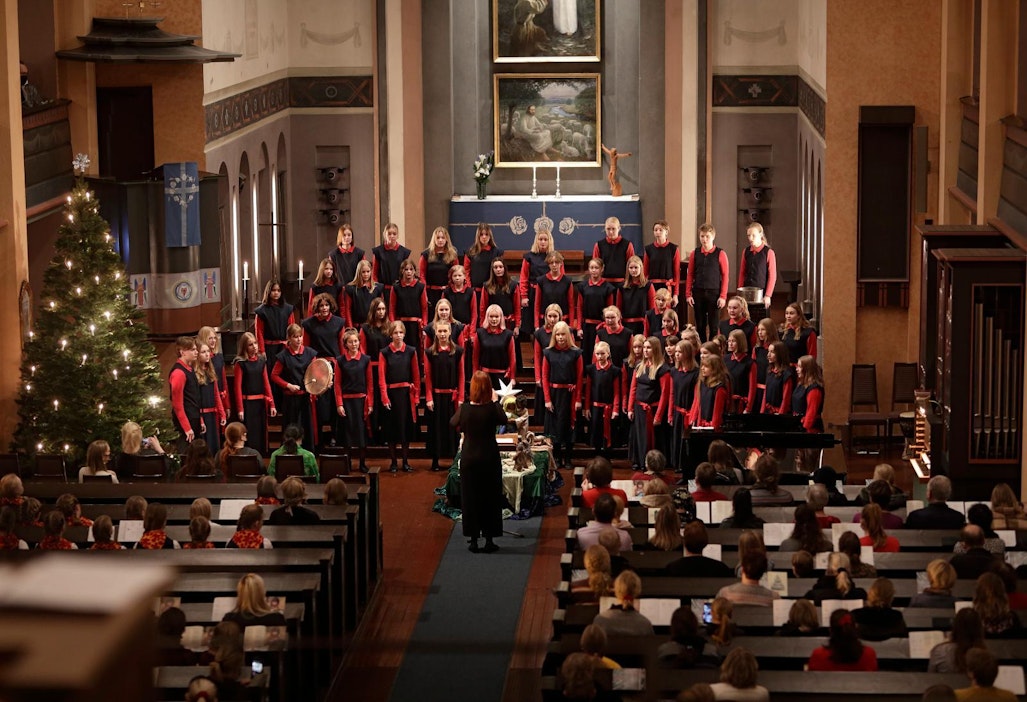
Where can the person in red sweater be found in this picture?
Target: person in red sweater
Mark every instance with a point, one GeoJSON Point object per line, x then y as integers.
{"type": "Point", "coordinates": [705, 474]}
{"type": "Point", "coordinates": [844, 651]}
{"type": "Point", "coordinates": [873, 530]}
{"type": "Point", "coordinates": [598, 476]}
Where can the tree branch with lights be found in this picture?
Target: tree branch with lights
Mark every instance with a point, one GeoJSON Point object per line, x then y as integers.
{"type": "Point", "coordinates": [88, 365]}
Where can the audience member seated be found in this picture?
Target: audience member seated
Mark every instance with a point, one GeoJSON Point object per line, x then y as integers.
{"type": "Point", "coordinates": [939, 693]}
{"type": "Point", "coordinates": [610, 539]}
{"type": "Point", "coordinates": [738, 679]}
{"type": "Point", "coordinates": [982, 669]}
{"type": "Point", "coordinates": [103, 535]}
{"type": "Point", "coordinates": [599, 582]}
{"type": "Point", "coordinates": [622, 619]}
{"type": "Point", "coordinates": [816, 498]}
{"type": "Point", "coordinates": [619, 508]}
{"type": "Point", "coordinates": [693, 564]}
{"type": "Point", "coordinates": [766, 492]}
{"type": "Point", "coordinates": [251, 607]}
{"type": "Point", "coordinates": [937, 514]}
{"type": "Point", "coordinates": [53, 534]}
{"type": "Point", "coordinates": [291, 446]}
{"type": "Point", "coordinates": [974, 559]}
{"type": "Point", "coordinates": [198, 463]}
{"type": "Point", "coordinates": [742, 516]}
{"type": "Point", "coordinates": [686, 648]}
{"type": "Point", "coordinates": [938, 594]}
{"type": "Point", "coordinates": [802, 620]}
{"type": "Point", "coordinates": [133, 444]}
{"type": "Point", "coordinates": [896, 498]}
{"type": "Point", "coordinates": [1007, 511]}
{"type": "Point", "coordinates": [828, 477]}
{"type": "Point", "coordinates": [705, 474]}
{"type": "Point", "coordinates": [135, 508]}
{"type": "Point", "coordinates": [226, 669]}
{"type": "Point", "coordinates": [247, 529]}
{"type": "Point", "coordinates": [1017, 600]}
{"type": "Point", "coordinates": [170, 627]}
{"type": "Point", "coordinates": [655, 464]}
{"type": "Point", "coordinates": [878, 621]}
{"type": "Point", "coordinates": [980, 515]}
{"type": "Point", "coordinates": [722, 456]}
{"type": "Point", "coordinates": [880, 494]}
{"type": "Point", "coordinates": [836, 583]}
{"type": "Point", "coordinates": [603, 512]}
{"type": "Point", "coordinates": [992, 604]}
{"type": "Point", "coordinates": [201, 689]}
{"type": "Point", "coordinates": [803, 565]}
{"type": "Point", "coordinates": [294, 492]}
{"type": "Point", "coordinates": [12, 490]}
{"type": "Point", "coordinates": [873, 531]}
{"type": "Point", "coordinates": [721, 629]}
{"type": "Point", "coordinates": [9, 540]}
{"type": "Point", "coordinates": [97, 456]}
{"type": "Point", "coordinates": [807, 534]}
{"type": "Point", "coordinates": [235, 445]}
{"type": "Point", "coordinates": [666, 530]}
{"type": "Point", "coordinates": [69, 506]}
{"type": "Point", "coordinates": [199, 533]}
{"type": "Point", "coordinates": [578, 680]}
{"type": "Point", "coordinates": [698, 692]}
{"type": "Point", "coordinates": [848, 543]}
{"type": "Point", "coordinates": [950, 655]}
{"type": "Point", "coordinates": [593, 643]}
{"type": "Point", "coordinates": [154, 525]}
{"type": "Point", "coordinates": [752, 541]}
{"type": "Point", "coordinates": [844, 651]}
{"type": "Point", "coordinates": [655, 494]}
{"type": "Point", "coordinates": [335, 492]}
{"type": "Point", "coordinates": [598, 476]}
{"type": "Point", "coordinates": [749, 591]}
{"type": "Point", "coordinates": [200, 507]}
{"type": "Point", "coordinates": [267, 491]}
{"type": "Point", "coordinates": [31, 509]}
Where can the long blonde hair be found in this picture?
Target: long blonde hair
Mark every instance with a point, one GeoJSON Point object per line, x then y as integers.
{"type": "Point", "coordinates": [657, 351]}
{"type": "Point", "coordinates": [361, 265]}
{"type": "Point", "coordinates": [251, 595]}
{"type": "Point", "coordinates": [449, 254]}
{"type": "Point", "coordinates": [552, 242]}
{"type": "Point", "coordinates": [204, 371]}
{"type": "Point", "coordinates": [562, 326]}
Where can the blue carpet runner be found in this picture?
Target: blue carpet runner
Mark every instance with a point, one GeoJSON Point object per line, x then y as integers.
{"type": "Point", "coordinates": [461, 645]}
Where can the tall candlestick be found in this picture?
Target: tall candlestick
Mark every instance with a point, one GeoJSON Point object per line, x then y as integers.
{"type": "Point", "coordinates": [557, 181]}
{"type": "Point", "coordinates": [301, 271]}
{"type": "Point", "coordinates": [534, 182]}
{"type": "Point", "coordinates": [245, 270]}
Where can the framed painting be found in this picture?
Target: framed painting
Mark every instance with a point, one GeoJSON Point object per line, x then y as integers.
{"type": "Point", "coordinates": [535, 31]}
{"type": "Point", "coordinates": [547, 119]}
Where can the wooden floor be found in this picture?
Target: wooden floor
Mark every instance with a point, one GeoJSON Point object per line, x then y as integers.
{"type": "Point", "coordinates": [415, 538]}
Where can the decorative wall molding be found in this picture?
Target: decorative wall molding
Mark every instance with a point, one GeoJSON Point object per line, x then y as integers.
{"type": "Point", "coordinates": [330, 39]}
{"type": "Point", "coordinates": [813, 106]}
{"type": "Point", "coordinates": [331, 91]}
{"type": "Point", "coordinates": [757, 37]}
{"type": "Point", "coordinates": [753, 90]}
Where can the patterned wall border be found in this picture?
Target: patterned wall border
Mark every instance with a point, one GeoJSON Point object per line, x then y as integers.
{"type": "Point", "coordinates": [233, 113]}
{"type": "Point", "coordinates": [770, 91]}
{"type": "Point", "coordinates": [813, 106]}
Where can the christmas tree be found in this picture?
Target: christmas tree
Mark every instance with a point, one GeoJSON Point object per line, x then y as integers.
{"type": "Point", "coordinates": [87, 366]}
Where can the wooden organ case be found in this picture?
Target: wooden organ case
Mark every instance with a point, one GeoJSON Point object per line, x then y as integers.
{"type": "Point", "coordinates": [972, 356]}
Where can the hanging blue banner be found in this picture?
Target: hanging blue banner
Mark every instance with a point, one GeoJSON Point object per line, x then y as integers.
{"type": "Point", "coordinates": [181, 204]}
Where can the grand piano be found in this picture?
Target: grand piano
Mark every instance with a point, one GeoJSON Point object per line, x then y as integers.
{"type": "Point", "coordinates": [783, 433]}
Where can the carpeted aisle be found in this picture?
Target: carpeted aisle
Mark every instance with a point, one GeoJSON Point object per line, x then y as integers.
{"type": "Point", "coordinates": [461, 646]}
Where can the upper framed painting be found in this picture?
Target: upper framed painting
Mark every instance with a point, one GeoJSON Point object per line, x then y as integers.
{"type": "Point", "coordinates": [547, 119]}
{"type": "Point", "coordinates": [539, 31]}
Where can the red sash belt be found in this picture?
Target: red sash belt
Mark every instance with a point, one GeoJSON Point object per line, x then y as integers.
{"type": "Point", "coordinates": [435, 287]}
{"type": "Point", "coordinates": [614, 280]}
{"type": "Point", "coordinates": [593, 321]}
{"type": "Point", "coordinates": [761, 386]}
{"type": "Point", "coordinates": [495, 370]}
{"type": "Point", "coordinates": [253, 397]}
{"type": "Point", "coordinates": [413, 405]}
{"type": "Point", "coordinates": [410, 319]}
{"type": "Point", "coordinates": [649, 426]}
{"type": "Point", "coordinates": [562, 386]}
{"type": "Point", "coordinates": [443, 391]}
{"type": "Point", "coordinates": [607, 410]}
{"type": "Point", "coordinates": [211, 409]}
{"type": "Point", "coordinates": [634, 319]}
{"type": "Point", "coordinates": [665, 281]}
{"type": "Point", "coordinates": [354, 396]}
{"type": "Point", "coordinates": [274, 341]}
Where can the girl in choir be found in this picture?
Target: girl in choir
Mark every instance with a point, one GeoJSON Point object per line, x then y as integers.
{"type": "Point", "coordinates": [555, 287]}
{"type": "Point", "coordinates": [345, 256]}
{"type": "Point", "coordinates": [353, 397]}
{"type": "Point", "coordinates": [436, 260]}
{"type": "Point", "coordinates": [738, 318]}
{"type": "Point", "coordinates": [615, 334]}
{"type": "Point", "coordinates": [359, 293]}
{"type": "Point", "coordinates": [271, 320]}
{"type": "Point", "coordinates": [374, 336]}
{"type": "Point", "coordinates": [662, 261]}
{"type": "Point", "coordinates": [325, 282]}
{"type": "Point", "coordinates": [710, 348]}
{"type": "Point", "coordinates": [290, 367]}
{"type": "Point", "coordinates": [670, 326]}
{"type": "Point", "coordinates": [155, 522]}
{"type": "Point", "coordinates": [712, 398]}
{"type": "Point", "coordinates": [758, 267]}
{"type": "Point", "coordinates": [650, 395]}
{"type": "Point", "coordinates": [766, 334]}
{"type": "Point", "coordinates": [462, 300]}
{"type": "Point", "coordinates": [654, 317]}
{"type": "Point", "coordinates": [457, 331]}
{"type": "Point", "coordinates": [494, 347]}
{"type": "Point", "coordinates": [706, 282]}
{"type": "Point", "coordinates": [777, 396]}
{"type": "Point", "coordinates": [742, 371]}
{"type": "Point", "coordinates": [501, 290]}
{"type": "Point", "coordinates": [409, 303]}
{"type": "Point", "coordinates": [478, 259]}
{"type": "Point", "coordinates": [594, 295]}
{"type": "Point", "coordinates": [209, 336]}
{"type": "Point", "coordinates": [212, 411]}
{"type": "Point", "coordinates": [683, 379]}
{"type": "Point", "coordinates": [443, 392]}
{"type": "Point", "coordinates": [387, 258]}
{"type": "Point", "coordinates": [602, 399]}
{"type": "Point", "coordinates": [533, 267]}
{"type": "Point", "coordinates": [798, 335]}
{"type": "Point", "coordinates": [690, 334]}
{"type": "Point", "coordinates": [808, 396]}
{"type": "Point", "coordinates": [542, 336]}
{"type": "Point", "coordinates": [399, 382]}
{"type": "Point", "coordinates": [614, 251]}
{"type": "Point", "coordinates": [323, 333]}
{"type": "Point", "coordinates": [561, 385]}
{"type": "Point", "coordinates": [253, 391]}
{"type": "Point", "coordinates": [636, 296]}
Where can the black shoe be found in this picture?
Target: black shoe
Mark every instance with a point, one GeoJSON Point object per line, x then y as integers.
{"type": "Point", "coordinates": [393, 468]}
{"type": "Point", "coordinates": [435, 467]}
{"type": "Point", "coordinates": [490, 547]}
{"type": "Point", "coordinates": [363, 468]}
{"type": "Point", "coordinates": [473, 548]}
{"type": "Point", "coordinates": [407, 468]}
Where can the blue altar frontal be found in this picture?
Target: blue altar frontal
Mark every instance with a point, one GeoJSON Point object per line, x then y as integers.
{"type": "Point", "coordinates": [576, 221]}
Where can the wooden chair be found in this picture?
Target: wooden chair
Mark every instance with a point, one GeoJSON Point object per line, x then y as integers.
{"type": "Point", "coordinates": [333, 466]}
{"type": "Point", "coordinates": [864, 394]}
{"type": "Point", "coordinates": [9, 463]}
{"type": "Point", "coordinates": [905, 381]}
{"type": "Point", "coordinates": [150, 469]}
{"type": "Point", "coordinates": [245, 469]}
{"type": "Point", "coordinates": [288, 466]}
{"type": "Point", "coordinates": [50, 467]}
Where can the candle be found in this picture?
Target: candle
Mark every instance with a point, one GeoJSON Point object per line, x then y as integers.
{"type": "Point", "coordinates": [245, 270]}
{"type": "Point", "coordinates": [301, 270]}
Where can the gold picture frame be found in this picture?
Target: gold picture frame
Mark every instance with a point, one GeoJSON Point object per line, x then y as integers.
{"type": "Point", "coordinates": [545, 31]}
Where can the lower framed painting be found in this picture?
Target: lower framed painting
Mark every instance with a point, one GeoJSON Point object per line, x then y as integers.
{"type": "Point", "coordinates": [547, 119]}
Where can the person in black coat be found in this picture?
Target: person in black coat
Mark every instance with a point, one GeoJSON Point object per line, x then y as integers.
{"type": "Point", "coordinates": [977, 560]}
{"type": "Point", "coordinates": [878, 621]}
{"type": "Point", "coordinates": [293, 511]}
{"type": "Point", "coordinates": [937, 514]}
{"type": "Point", "coordinates": [693, 563]}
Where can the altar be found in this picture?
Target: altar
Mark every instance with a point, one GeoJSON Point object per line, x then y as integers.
{"type": "Point", "coordinates": [523, 489]}
{"type": "Point", "coordinates": [576, 221]}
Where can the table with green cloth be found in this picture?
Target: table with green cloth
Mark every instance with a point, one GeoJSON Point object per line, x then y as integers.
{"type": "Point", "coordinates": [519, 487]}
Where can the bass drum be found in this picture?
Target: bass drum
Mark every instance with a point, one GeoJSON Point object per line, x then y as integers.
{"type": "Point", "coordinates": [319, 376]}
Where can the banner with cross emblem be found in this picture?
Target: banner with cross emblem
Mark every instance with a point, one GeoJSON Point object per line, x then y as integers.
{"type": "Point", "coordinates": [181, 204]}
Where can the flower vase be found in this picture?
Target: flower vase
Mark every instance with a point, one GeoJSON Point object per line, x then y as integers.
{"type": "Point", "coordinates": [482, 186]}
